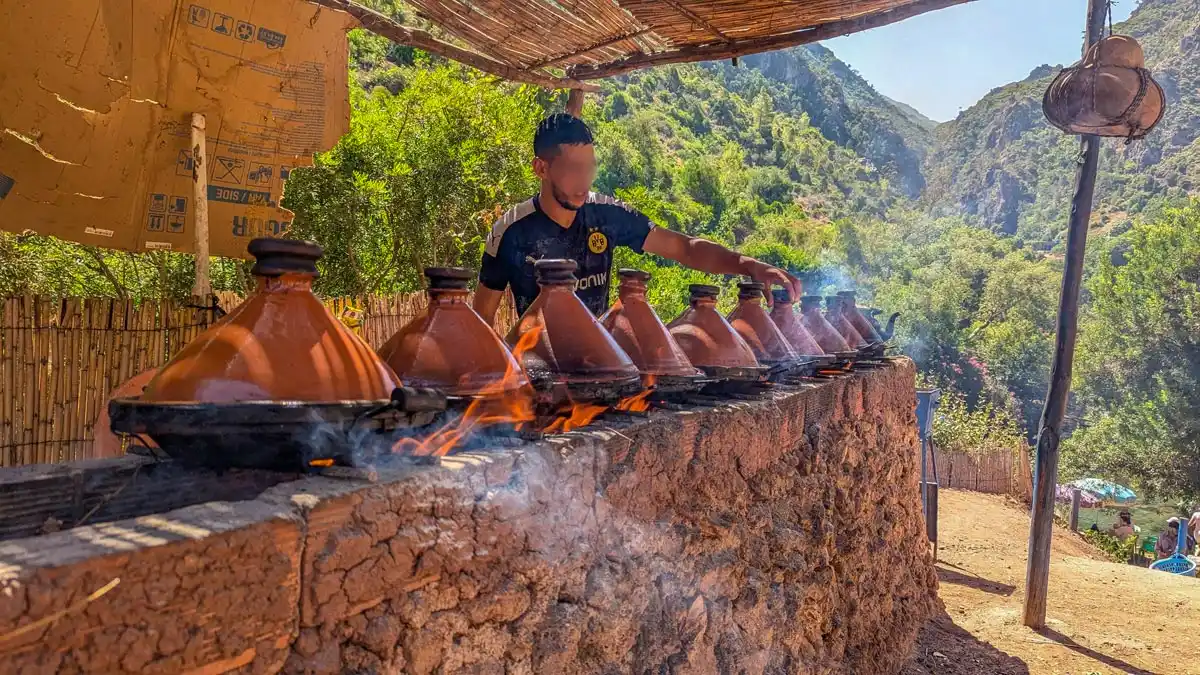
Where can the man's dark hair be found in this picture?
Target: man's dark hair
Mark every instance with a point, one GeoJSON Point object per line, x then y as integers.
{"type": "Point", "coordinates": [559, 129]}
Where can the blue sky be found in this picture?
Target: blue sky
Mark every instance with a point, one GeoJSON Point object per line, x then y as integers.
{"type": "Point", "coordinates": [944, 61]}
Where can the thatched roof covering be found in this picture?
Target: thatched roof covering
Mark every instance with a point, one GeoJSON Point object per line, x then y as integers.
{"type": "Point", "coordinates": [564, 42]}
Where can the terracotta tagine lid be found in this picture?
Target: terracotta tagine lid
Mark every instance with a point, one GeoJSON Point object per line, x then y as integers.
{"type": "Point", "coordinates": [856, 318]}
{"type": "Point", "coordinates": [638, 330]}
{"type": "Point", "coordinates": [707, 339]}
{"type": "Point", "coordinates": [752, 322]}
{"type": "Point", "coordinates": [783, 313]}
{"type": "Point", "coordinates": [822, 331]}
{"type": "Point", "coordinates": [836, 317]}
{"type": "Point", "coordinates": [450, 347]}
{"type": "Point", "coordinates": [106, 443]}
{"type": "Point", "coordinates": [570, 342]}
{"type": "Point", "coordinates": [280, 344]}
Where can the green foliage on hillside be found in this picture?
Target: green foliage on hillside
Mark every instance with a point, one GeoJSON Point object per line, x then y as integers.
{"type": "Point", "coordinates": [1138, 371]}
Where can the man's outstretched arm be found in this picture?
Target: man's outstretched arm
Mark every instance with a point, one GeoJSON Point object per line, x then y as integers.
{"type": "Point", "coordinates": [486, 302]}
{"type": "Point", "coordinates": [711, 257]}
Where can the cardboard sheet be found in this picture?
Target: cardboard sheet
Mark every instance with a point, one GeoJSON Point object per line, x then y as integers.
{"type": "Point", "coordinates": [96, 99]}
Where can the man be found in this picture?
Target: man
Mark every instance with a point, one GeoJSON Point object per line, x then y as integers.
{"type": "Point", "coordinates": [566, 220]}
{"type": "Point", "coordinates": [1124, 527]}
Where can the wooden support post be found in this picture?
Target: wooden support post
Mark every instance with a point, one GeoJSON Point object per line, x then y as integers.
{"type": "Point", "coordinates": [575, 103]}
{"type": "Point", "coordinates": [1075, 499]}
{"type": "Point", "coordinates": [931, 515]}
{"type": "Point", "coordinates": [203, 286]}
{"type": "Point", "coordinates": [1045, 476]}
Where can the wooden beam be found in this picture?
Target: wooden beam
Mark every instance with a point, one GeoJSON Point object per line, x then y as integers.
{"type": "Point", "coordinates": [575, 103]}
{"type": "Point", "coordinates": [202, 288]}
{"type": "Point", "coordinates": [386, 27]}
{"type": "Point", "coordinates": [1045, 475]}
{"type": "Point", "coordinates": [697, 19]}
{"type": "Point", "coordinates": [741, 47]}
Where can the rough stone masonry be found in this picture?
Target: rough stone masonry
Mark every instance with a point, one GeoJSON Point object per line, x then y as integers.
{"type": "Point", "coordinates": [774, 536]}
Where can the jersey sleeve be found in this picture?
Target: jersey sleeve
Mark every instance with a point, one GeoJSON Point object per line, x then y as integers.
{"type": "Point", "coordinates": [625, 225]}
{"type": "Point", "coordinates": [493, 273]}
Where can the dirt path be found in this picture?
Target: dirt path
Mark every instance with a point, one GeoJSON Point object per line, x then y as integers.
{"type": "Point", "coordinates": [1102, 618]}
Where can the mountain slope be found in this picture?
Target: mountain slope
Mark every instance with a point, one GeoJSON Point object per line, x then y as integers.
{"type": "Point", "coordinates": [841, 104]}
{"type": "Point", "coordinates": [1004, 166]}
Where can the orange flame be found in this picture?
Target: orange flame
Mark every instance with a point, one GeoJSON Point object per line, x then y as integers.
{"type": "Point", "coordinates": [638, 402]}
{"type": "Point", "coordinates": [495, 404]}
{"type": "Point", "coordinates": [579, 415]}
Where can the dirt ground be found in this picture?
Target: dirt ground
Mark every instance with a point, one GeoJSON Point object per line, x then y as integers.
{"type": "Point", "coordinates": [1103, 617]}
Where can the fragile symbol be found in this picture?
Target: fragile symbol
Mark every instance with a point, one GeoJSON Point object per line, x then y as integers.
{"type": "Point", "coordinates": [229, 170]}
{"type": "Point", "coordinates": [223, 24]}
{"type": "Point", "coordinates": [158, 203]}
{"type": "Point", "coordinates": [245, 31]}
{"type": "Point", "coordinates": [198, 16]}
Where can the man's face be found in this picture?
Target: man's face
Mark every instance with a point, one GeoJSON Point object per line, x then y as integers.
{"type": "Point", "coordinates": [569, 174]}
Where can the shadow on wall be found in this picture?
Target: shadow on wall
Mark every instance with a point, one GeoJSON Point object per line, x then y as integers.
{"type": "Point", "coordinates": [946, 649]}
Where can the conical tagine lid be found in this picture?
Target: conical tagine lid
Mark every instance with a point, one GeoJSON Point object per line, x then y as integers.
{"type": "Point", "coordinates": [755, 326]}
{"type": "Point", "coordinates": [835, 316]}
{"type": "Point", "coordinates": [825, 334]}
{"type": "Point", "coordinates": [783, 313]}
{"type": "Point", "coordinates": [281, 344]}
{"type": "Point", "coordinates": [638, 330]}
{"type": "Point", "coordinates": [569, 342]}
{"type": "Point", "coordinates": [707, 339]}
{"type": "Point", "coordinates": [857, 319]}
{"type": "Point", "coordinates": [449, 347]}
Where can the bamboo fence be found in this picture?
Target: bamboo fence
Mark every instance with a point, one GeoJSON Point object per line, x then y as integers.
{"type": "Point", "coordinates": [60, 358]}
{"type": "Point", "coordinates": [1005, 472]}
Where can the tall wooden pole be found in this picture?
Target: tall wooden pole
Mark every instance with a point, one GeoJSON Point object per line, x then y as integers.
{"type": "Point", "coordinates": [1045, 475]}
{"type": "Point", "coordinates": [203, 287]}
{"type": "Point", "coordinates": [575, 103]}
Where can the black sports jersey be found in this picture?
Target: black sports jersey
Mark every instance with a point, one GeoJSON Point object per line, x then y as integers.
{"type": "Point", "coordinates": [526, 234]}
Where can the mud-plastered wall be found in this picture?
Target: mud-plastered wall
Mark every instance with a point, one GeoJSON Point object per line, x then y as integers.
{"type": "Point", "coordinates": [781, 535]}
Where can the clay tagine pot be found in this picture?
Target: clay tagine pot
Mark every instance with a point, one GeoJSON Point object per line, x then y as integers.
{"type": "Point", "coordinates": [280, 344]}
{"type": "Point", "coordinates": [450, 347]}
{"type": "Point", "coordinates": [783, 313]}
{"type": "Point", "coordinates": [752, 322]}
{"type": "Point", "coordinates": [857, 319]}
{"type": "Point", "coordinates": [837, 318]}
{"type": "Point", "coordinates": [278, 383]}
{"type": "Point", "coordinates": [570, 345]}
{"type": "Point", "coordinates": [638, 330]}
{"type": "Point", "coordinates": [710, 342]}
{"type": "Point", "coordinates": [822, 331]}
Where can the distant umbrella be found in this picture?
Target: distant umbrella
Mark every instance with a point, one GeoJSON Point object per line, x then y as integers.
{"type": "Point", "coordinates": [1106, 490]}
{"type": "Point", "coordinates": [1087, 500]}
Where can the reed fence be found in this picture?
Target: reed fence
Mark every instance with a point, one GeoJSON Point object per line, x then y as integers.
{"type": "Point", "coordinates": [997, 472]}
{"type": "Point", "coordinates": [60, 358]}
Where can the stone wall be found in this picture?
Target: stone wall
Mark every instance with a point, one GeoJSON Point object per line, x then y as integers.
{"type": "Point", "coordinates": [774, 536]}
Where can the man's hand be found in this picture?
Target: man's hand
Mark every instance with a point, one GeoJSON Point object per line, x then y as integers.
{"type": "Point", "coordinates": [711, 257]}
{"type": "Point", "coordinates": [769, 275]}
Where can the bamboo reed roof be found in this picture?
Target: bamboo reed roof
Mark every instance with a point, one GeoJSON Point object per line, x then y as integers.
{"type": "Point", "coordinates": [566, 42]}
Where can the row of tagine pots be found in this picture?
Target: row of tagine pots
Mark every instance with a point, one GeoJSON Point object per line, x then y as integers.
{"type": "Point", "coordinates": [281, 355]}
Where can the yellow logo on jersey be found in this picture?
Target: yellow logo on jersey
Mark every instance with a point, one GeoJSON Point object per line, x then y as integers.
{"type": "Point", "coordinates": [597, 242]}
